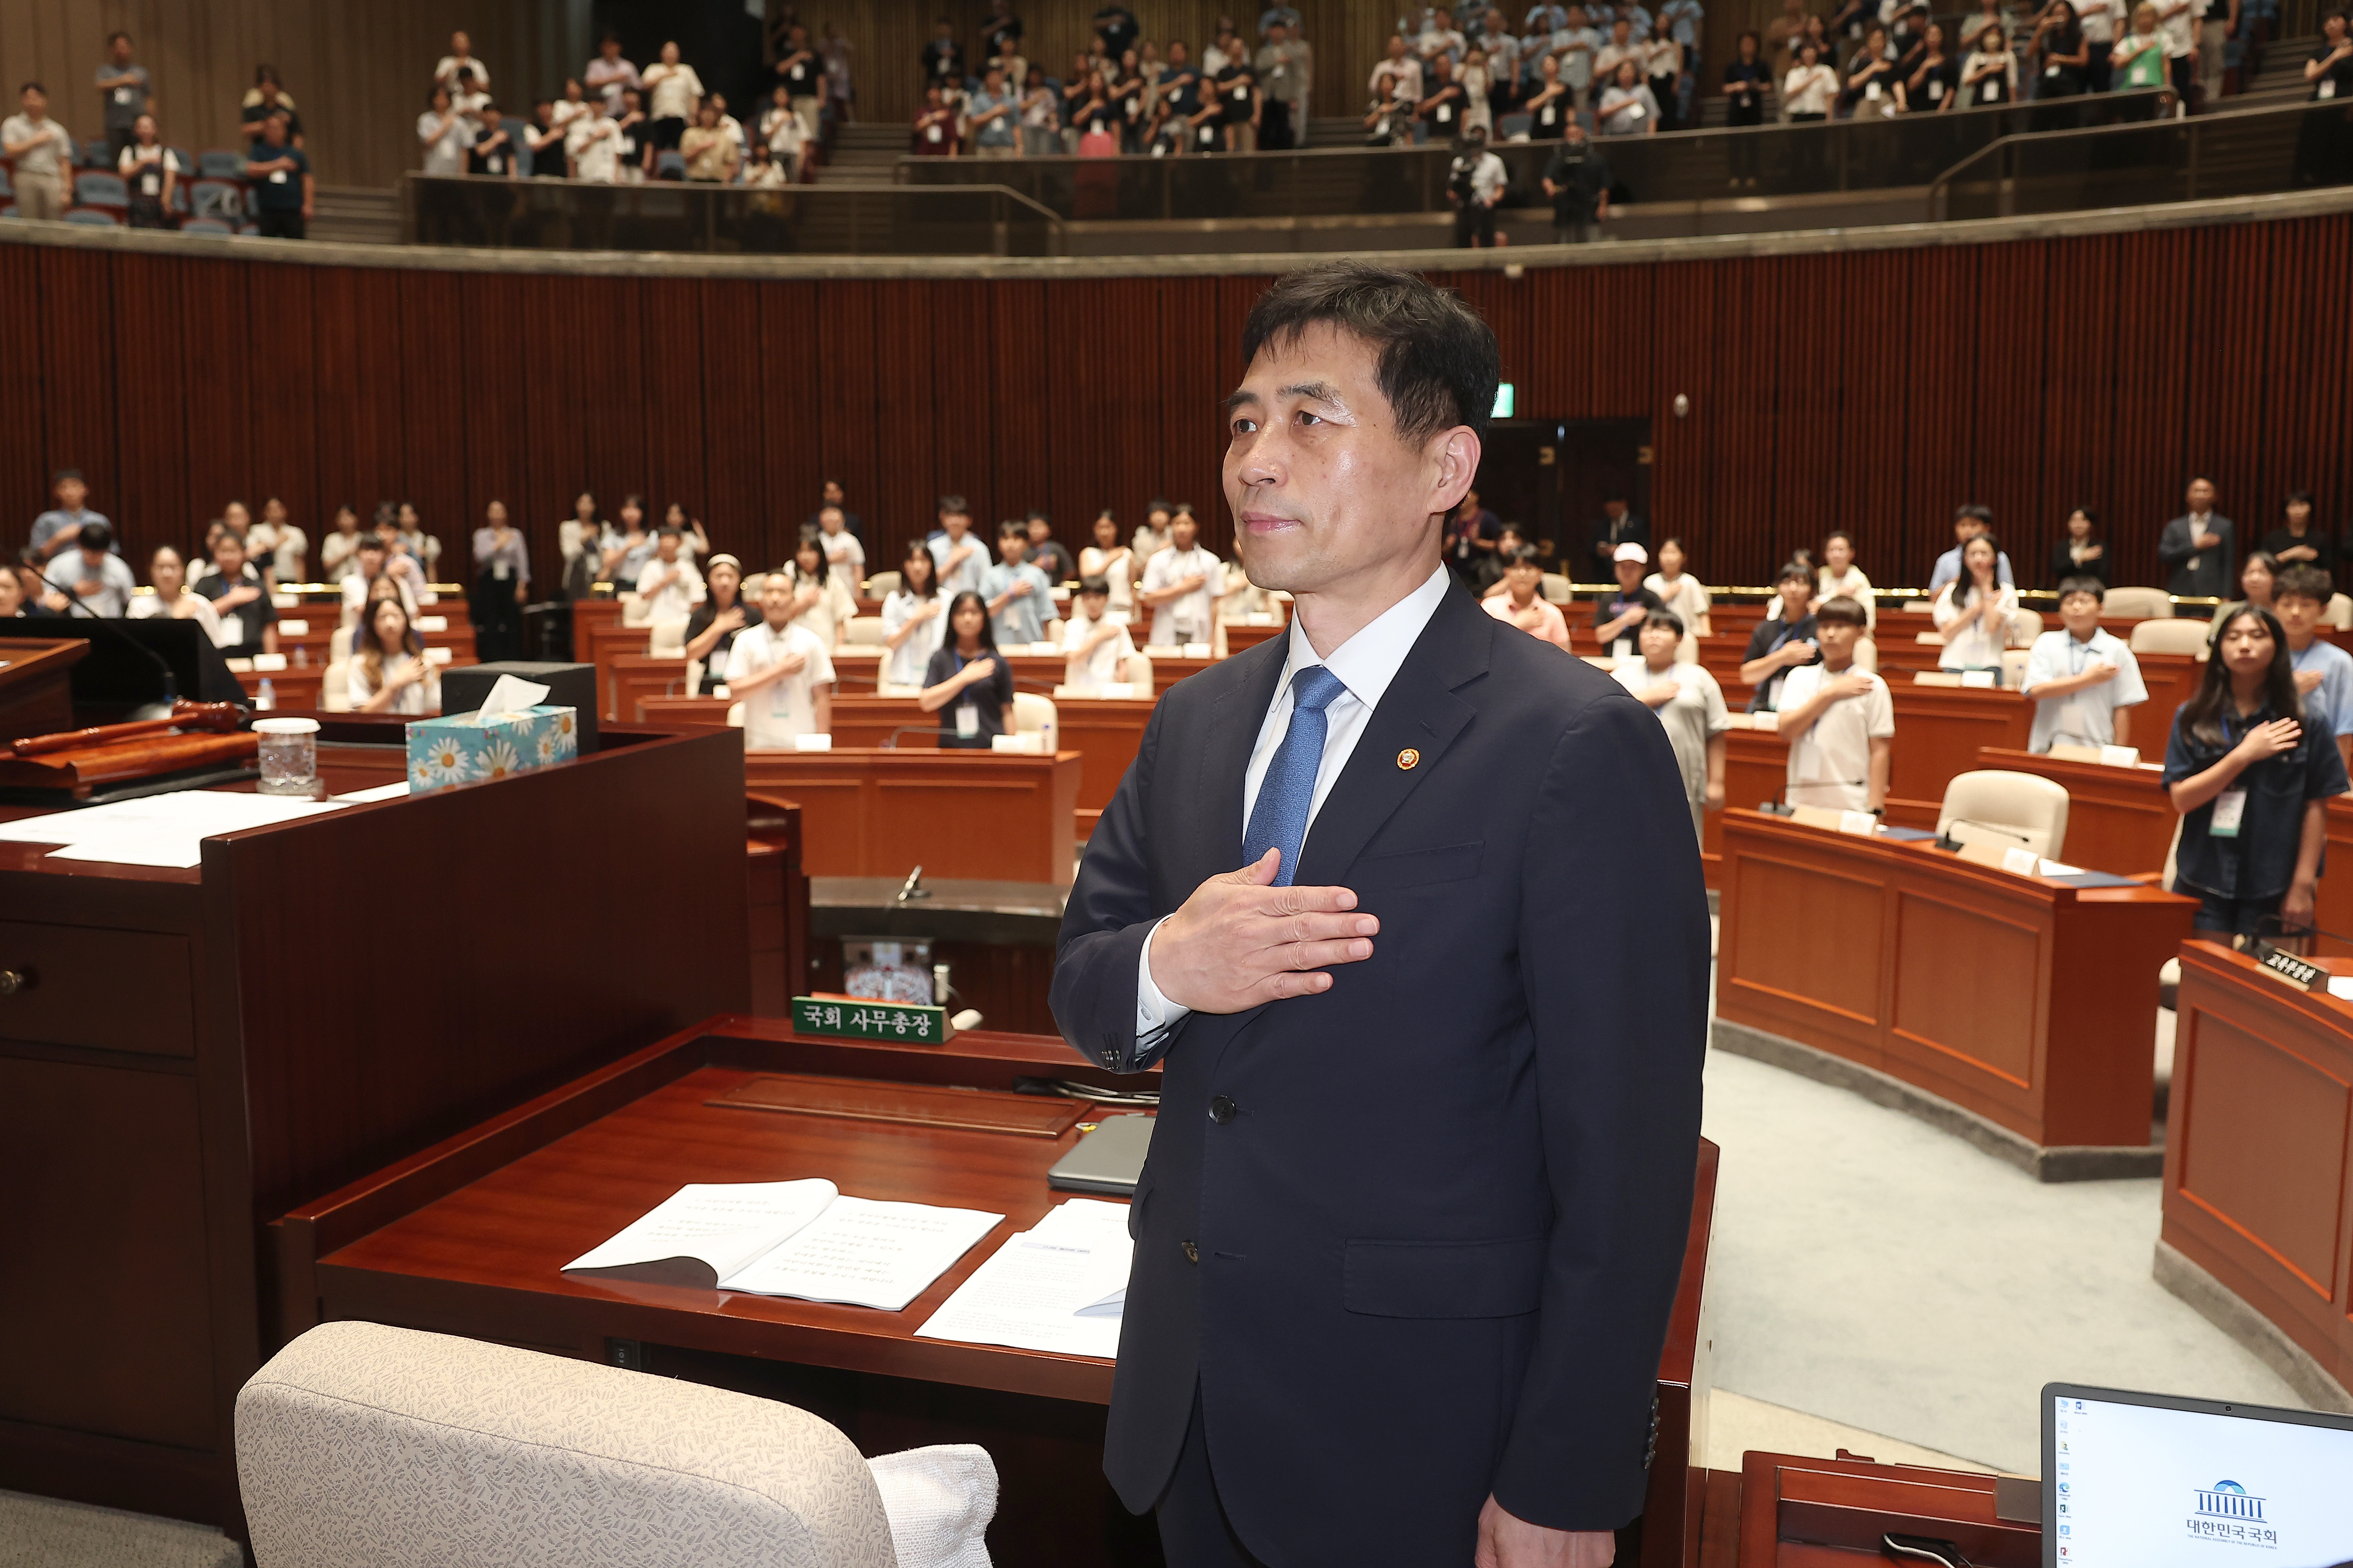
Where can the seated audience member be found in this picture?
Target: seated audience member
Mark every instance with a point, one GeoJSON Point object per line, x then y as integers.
{"type": "Point", "coordinates": [339, 552]}
{"type": "Point", "coordinates": [173, 597]}
{"type": "Point", "coordinates": [968, 683]}
{"type": "Point", "coordinates": [2300, 541]}
{"type": "Point", "coordinates": [2078, 552]}
{"type": "Point", "coordinates": [2324, 672]}
{"type": "Point", "coordinates": [388, 672]}
{"type": "Point", "coordinates": [14, 604]}
{"type": "Point", "coordinates": [915, 617]}
{"type": "Point", "coordinates": [710, 629]}
{"type": "Point", "coordinates": [1153, 536]}
{"type": "Point", "coordinates": [1094, 648]}
{"type": "Point", "coordinates": [670, 586]}
{"type": "Point", "coordinates": [1179, 585]}
{"type": "Point", "coordinates": [1839, 577]}
{"type": "Point", "coordinates": [372, 561]}
{"type": "Point", "coordinates": [1780, 643]}
{"type": "Point", "coordinates": [278, 547]}
{"type": "Point", "coordinates": [2256, 578]}
{"type": "Point", "coordinates": [1690, 704]}
{"type": "Point", "coordinates": [1618, 618]}
{"type": "Point", "coordinates": [781, 674]}
{"type": "Point", "coordinates": [821, 601]}
{"type": "Point", "coordinates": [1968, 522]}
{"type": "Point", "coordinates": [1046, 552]}
{"type": "Point", "coordinates": [845, 555]}
{"type": "Point", "coordinates": [2083, 682]}
{"type": "Point", "coordinates": [1974, 612]}
{"type": "Point", "coordinates": [958, 559]}
{"type": "Point", "coordinates": [91, 575]}
{"type": "Point", "coordinates": [1681, 592]}
{"type": "Point", "coordinates": [249, 621]}
{"type": "Point", "coordinates": [2251, 781]}
{"type": "Point", "coordinates": [1520, 603]}
{"type": "Point", "coordinates": [1838, 721]}
{"type": "Point", "coordinates": [1020, 596]}
{"type": "Point", "coordinates": [1488, 572]}
{"type": "Point", "coordinates": [1113, 562]}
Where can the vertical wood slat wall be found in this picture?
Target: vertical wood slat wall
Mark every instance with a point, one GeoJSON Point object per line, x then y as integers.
{"type": "Point", "coordinates": [2012, 374]}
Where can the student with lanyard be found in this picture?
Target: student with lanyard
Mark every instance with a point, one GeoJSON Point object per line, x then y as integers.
{"type": "Point", "coordinates": [781, 674]}
{"type": "Point", "coordinates": [710, 629]}
{"type": "Point", "coordinates": [1839, 721]}
{"type": "Point", "coordinates": [1781, 644]}
{"type": "Point", "coordinates": [2324, 672]}
{"type": "Point", "coordinates": [2083, 682]}
{"type": "Point", "coordinates": [968, 683]}
{"type": "Point", "coordinates": [2252, 784]}
{"type": "Point", "coordinates": [914, 618]}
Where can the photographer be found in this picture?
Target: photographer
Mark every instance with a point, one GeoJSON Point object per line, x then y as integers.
{"type": "Point", "coordinates": [1578, 181]}
{"type": "Point", "coordinates": [1474, 185]}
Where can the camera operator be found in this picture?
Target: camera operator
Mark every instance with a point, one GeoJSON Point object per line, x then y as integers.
{"type": "Point", "coordinates": [1474, 185]}
{"type": "Point", "coordinates": [1578, 181]}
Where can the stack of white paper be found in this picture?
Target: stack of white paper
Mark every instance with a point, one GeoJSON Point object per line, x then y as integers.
{"type": "Point", "coordinates": [157, 829]}
{"type": "Point", "coordinates": [1062, 1287]}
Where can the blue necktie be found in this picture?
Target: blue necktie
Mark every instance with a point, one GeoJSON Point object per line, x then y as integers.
{"type": "Point", "coordinates": [1279, 820]}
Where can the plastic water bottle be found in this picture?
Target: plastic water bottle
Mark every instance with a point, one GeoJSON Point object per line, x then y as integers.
{"type": "Point", "coordinates": [268, 699]}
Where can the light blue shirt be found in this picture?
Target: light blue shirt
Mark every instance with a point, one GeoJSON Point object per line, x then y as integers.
{"type": "Point", "coordinates": [1685, 17]}
{"type": "Point", "coordinates": [966, 576]}
{"type": "Point", "coordinates": [2333, 699]}
{"type": "Point", "coordinates": [1023, 620]}
{"type": "Point", "coordinates": [1948, 567]}
{"type": "Point", "coordinates": [2086, 718]}
{"type": "Point", "coordinates": [998, 133]}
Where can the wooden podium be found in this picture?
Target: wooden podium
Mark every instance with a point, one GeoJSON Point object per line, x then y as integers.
{"type": "Point", "coordinates": [36, 684]}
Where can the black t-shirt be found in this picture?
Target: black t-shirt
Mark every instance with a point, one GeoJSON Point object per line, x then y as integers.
{"type": "Point", "coordinates": [1548, 119]}
{"type": "Point", "coordinates": [2314, 538]}
{"type": "Point", "coordinates": [1768, 636]}
{"type": "Point", "coordinates": [250, 616]}
{"type": "Point", "coordinates": [1127, 104]}
{"type": "Point", "coordinates": [944, 59]}
{"type": "Point", "coordinates": [625, 146]}
{"type": "Point", "coordinates": [989, 698]}
{"type": "Point", "coordinates": [802, 77]}
{"type": "Point", "coordinates": [1004, 38]}
{"type": "Point", "coordinates": [1935, 84]}
{"type": "Point", "coordinates": [1754, 77]}
{"type": "Point", "coordinates": [1234, 84]}
{"type": "Point", "coordinates": [1580, 174]}
{"type": "Point", "coordinates": [714, 663]}
{"type": "Point", "coordinates": [1446, 114]}
{"type": "Point", "coordinates": [280, 190]}
{"type": "Point", "coordinates": [1181, 89]}
{"type": "Point", "coordinates": [1991, 88]}
{"type": "Point", "coordinates": [1611, 605]}
{"type": "Point", "coordinates": [255, 113]}
{"type": "Point", "coordinates": [2337, 81]}
{"type": "Point", "coordinates": [1117, 25]}
{"type": "Point", "coordinates": [492, 159]}
{"type": "Point", "coordinates": [1053, 560]}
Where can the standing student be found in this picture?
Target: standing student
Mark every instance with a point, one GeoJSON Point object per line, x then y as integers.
{"type": "Point", "coordinates": [1690, 704]}
{"type": "Point", "coordinates": [1618, 617]}
{"type": "Point", "coordinates": [669, 585]}
{"type": "Point", "coordinates": [1839, 577]}
{"type": "Point", "coordinates": [914, 618]}
{"type": "Point", "coordinates": [2324, 672]}
{"type": "Point", "coordinates": [711, 630]}
{"type": "Point", "coordinates": [1179, 587]}
{"type": "Point", "coordinates": [845, 555]}
{"type": "Point", "coordinates": [1046, 552]}
{"type": "Point", "coordinates": [1968, 522]}
{"type": "Point", "coordinates": [1974, 612]}
{"type": "Point", "coordinates": [1020, 596]}
{"type": "Point", "coordinates": [2251, 782]}
{"type": "Point", "coordinates": [2300, 541]}
{"type": "Point", "coordinates": [821, 602]}
{"type": "Point", "coordinates": [1679, 591]}
{"type": "Point", "coordinates": [968, 683]}
{"type": "Point", "coordinates": [1520, 604]}
{"type": "Point", "coordinates": [957, 558]}
{"type": "Point", "coordinates": [94, 575]}
{"type": "Point", "coordinates": [1838, 721]}
{"type": "Point", "coordinates": [1113, 562]}
{"type": "Point", "coordinates": [1095, 647]}
{"type": "Point", "coordinates": [388, 672]}
{"type": "Point", "coordinates": [2083, 682]}
{"type": "Point", "coordinates": [2256, 576]}
{"type": "Point", "coordinates": [1780, 643]}
{"type": "Point", "coordinates": [2078, 551]}
{"type": "Point", "coordinates": [781, 674]}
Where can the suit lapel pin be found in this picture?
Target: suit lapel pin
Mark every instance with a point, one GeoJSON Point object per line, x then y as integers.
{"type": "Point", "coordinates": [1408, 759]}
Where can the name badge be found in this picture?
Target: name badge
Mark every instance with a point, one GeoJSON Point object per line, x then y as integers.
{"type": "Point", "coordinates": [1549, 115]}
{"type": "Point", "coordinates": [1445, 112]}
{"type": "Point", "coordinates": [1633, 111]}
{"type": "Point", "coordinates": [1936, 90]}
{"type": "Point", "coordinates": [501, 571]}
{"type": "Point", "coordinates": [1871, 92]}
{"type": "Point", "coordinates": [122, 95]}
{"type": "Point", "coordinates": [494, 164]}
{"type": "Point", "coordinates": [277, 176]}
{"type": "Point", "coordinates": [150, 185]}
{"type": "Point", "coordinates": [2230, 807]}
{"type": "Point", "coordinates": [2327, 88]}
{"type": "Point", "coordinates": [967, 722]}
{"type": "Point", "coordinates": [933, 132]}
{"type": "Point", "coordinates": [2051, 71]}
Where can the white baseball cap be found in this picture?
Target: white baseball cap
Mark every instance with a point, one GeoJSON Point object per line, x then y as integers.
{"type": "Point", "coordinates": [1633, 551]}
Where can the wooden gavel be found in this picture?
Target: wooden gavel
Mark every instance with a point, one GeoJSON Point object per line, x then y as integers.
{"type": "Point", "coordinates": [185, 715]}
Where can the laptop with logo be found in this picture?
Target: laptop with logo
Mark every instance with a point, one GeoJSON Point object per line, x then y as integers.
{"type": "Point", "coordinates": [2149, 1480]}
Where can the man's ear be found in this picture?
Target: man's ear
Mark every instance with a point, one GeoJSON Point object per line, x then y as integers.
{"type": "Point", "coordinates": [1455, 457]}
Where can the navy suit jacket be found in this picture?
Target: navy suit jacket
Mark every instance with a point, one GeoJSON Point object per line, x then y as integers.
{"type": "Point", "coordinates": [1414, 1239]}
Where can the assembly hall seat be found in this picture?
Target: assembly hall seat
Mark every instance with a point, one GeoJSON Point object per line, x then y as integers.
{"type": "Point", "coordinates": [362, 1443]}
{"type": "Point", "coordinates": [882, 585]}
{"type": "Point", "coordinates": [2011, 805]}
{"type": "Point", "coordinates": [2171, 636]}
{"type": "Point", "coordinates": [2150, 603]}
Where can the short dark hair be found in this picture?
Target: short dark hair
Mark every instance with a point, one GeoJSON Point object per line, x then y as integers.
{"type": "Point", "coordinates": [96, 535]}
{"type": "Point", "coordinates": [2297, 582]}
{"type": "Point", "coordinates": [1525, 555]}
{"type": "Point", "coordinates": [954, 504]}
{"type": "Point", "coordinates": [369, 541]}
{"type": "Point", "coordinates": [667, 531]}
{"type": "Point", "coordinates": [32, 86]}
{"type": "Point", "coordinates": [1793, 572]}
{"type": "Point", "coordinates": [1438, 362]}
{"type": "Point", "coordinates": [1842, 609]}
{"type": "Point", "coordinates": [1157, 503]}
{"type": "Point", "coordinates": [1838, 533]}
{"type": "Point", "coordinates": [2099, 590]}
{"type": "Point", "coordinates": [1013, 528]}
{"type": "Point", "coordinates": [62, 475]}
{"type": "Point", "coordinates": [1094, 582]}
{"type": "Point", "coordinates": [1975, 513]}
{"type": "Point", "coordinates": [1667, 618]}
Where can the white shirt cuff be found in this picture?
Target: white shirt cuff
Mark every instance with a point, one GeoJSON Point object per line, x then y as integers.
{"type": "Point", "coordinates": [1155, 1014]}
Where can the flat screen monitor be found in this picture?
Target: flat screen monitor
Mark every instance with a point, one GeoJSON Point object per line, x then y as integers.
{"type": "Point", "coordinates": [2150, 1480]}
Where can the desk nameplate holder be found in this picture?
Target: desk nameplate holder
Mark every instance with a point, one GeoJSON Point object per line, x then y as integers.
{"type": "Point", "coordinates": [907, 1023]}
{"type": "Point", "coordinates": [924, 1105]}
{"type": "Point", "coordinates": [2297, 974]}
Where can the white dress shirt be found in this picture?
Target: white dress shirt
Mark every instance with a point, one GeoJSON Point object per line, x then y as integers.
{"type": "Point", "coordinates": [1367, 663]}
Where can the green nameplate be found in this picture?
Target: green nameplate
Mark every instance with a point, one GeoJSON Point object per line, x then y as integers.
{"type": "Point", "coordinates": [863, 1020]}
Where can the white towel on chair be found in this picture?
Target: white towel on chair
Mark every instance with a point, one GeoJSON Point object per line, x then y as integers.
{"type": "Point", "coordinates": [940, 1501]}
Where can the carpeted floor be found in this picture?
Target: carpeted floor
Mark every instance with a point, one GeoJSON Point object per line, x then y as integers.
{"type": "Point", "coordinates": [39, 1532]}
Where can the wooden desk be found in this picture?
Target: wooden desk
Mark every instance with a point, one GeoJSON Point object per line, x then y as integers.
{"type": "Point", "coordinates": [628, 678]}
{"type": "Point", "coordinates": [470, 1237]}
{"type": "Point", "coordinates": [2118, 819]}
{"type": "Point", "coordinates": [317, 643]}
{"type": "Point", "coordinates": [1780, 1510]}
{"type": "Point", "coordinates": [587, 615]}
{"type": "Point", "coordinates": [36, 684]}
{"type": "Point", "coordinates": [600, 643]}
{"type": "Point", "coordinates": [1106, 732]}
{"type": "Point", "coordinates": [984, 815]}
{"type": "Point", "coordinates": [2028, 1004]}
{"type": "Point", "coordinates": [203, 1049]}
{"type": "Point", "coordinates": [2258, 1163]}
{"type": "Point", "coordinates": [1938, 730]}
{"type": "Point", "coordinates": [2332, 910]}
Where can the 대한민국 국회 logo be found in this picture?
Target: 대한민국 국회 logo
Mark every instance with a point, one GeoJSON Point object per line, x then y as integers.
{"type": "Point", "coordinates": [2227, 1512]}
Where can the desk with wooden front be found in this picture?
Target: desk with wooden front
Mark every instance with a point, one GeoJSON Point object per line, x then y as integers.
{"type": "Point", "coordinates": [2014, 1011]}
{"type": "Point", "coordinates": [984, 815]}
{"type": "Point", "coordinates": [470, 1237]}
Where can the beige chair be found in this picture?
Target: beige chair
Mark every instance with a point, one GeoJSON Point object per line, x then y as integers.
{"type": "Point", "coordinates": [635, 610]}
{"type": "Point", "coordinates": [339, 645]}
{"type": "Point", "coordinates": [2025, 625]}
{"type": "Point", "coordinates": [364, 1444]}
{"type": "Point", "coordinates": [1991, 807]}
{"type": "Point", "coordinates": [1866, 654]}
{"type": "Point", "coordinates": [1036, 715]}
{"type": "Point", "coordinates": [2013, 666]}
{"type": "Point", "coordinates": [666, 640]}
{"type": "Point", "coordinates": [865, 631]}
{"type": "Point", "coordinates": [882, 585]}
{"type": "Point", "coordinates": [2171, 636]}
{"type": "Point", "coordinates": [1139, 674]}
{"type": "Point", "coordinates": [1554, 586]}
{"type": "Point", "coordinates": [694, 672]}
{"type": "Point", "coordinates": [2152, 603]}
{"type": "Point", "coordinates": [335, 687]}
{"type": "Point", "coordinates": [734, 715]}
{"type": "Point", "coordinates": [2341, 612]}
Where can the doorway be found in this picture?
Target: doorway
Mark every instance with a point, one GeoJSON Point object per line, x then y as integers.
{"type": "Point", "coordinates": [1551, 476]}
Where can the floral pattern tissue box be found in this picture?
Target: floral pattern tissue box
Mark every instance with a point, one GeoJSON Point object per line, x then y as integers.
{"type": "Point", "coordinates": [470, 748]}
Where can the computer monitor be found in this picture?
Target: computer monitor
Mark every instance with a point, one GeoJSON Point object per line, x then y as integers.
{"type": "Point", "coordinates": [2150, 1480]}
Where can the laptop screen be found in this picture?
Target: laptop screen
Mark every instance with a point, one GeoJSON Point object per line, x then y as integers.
{"type": "Point", "coordinates": [2137, 1481]}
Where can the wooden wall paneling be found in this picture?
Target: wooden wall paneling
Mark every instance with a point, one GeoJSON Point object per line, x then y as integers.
{"type": "Point", "coordinates": [76, 369]}
{"type": "Point", "coordinates": [903, 343]}
{"type": "Point", "coordinates": [360, 426]}
{"type": "Point", "coordinates": [560, 365]}
{"type": "Point", "coordinates": [734, 430]}
{"type": "Point", "coordinates": [436, 381]}
{"type": "Point", "coordinates": [611, 407]}
{"type": "Point", "coordinates": [2013, 356]}
{"type": "Point", "coordinates": [962, 445]}
{"type": "Point", "coordinates": [2078, 432]}
{"type": "Point", "coordinates": [1030, 389]}
{"type": "Point", "coordinates": [673, 391]}
{"type": "Point", "coordinates": [497, 409]}
{"type": "Point", "coordinates": [2146, 477]}
{"type": "Point", "coordinates": [796, 384]}
{"type": "Point", "coordinates": [152, 473]}
{"type": "Point", "coordinates": [222, 397]}
{"type": "Point", "coordinates": [842, 408]}
{"type": "Point", "coordinates": [280, 391]}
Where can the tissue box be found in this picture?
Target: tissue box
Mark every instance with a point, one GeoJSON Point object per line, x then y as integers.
{"type": "Point", "coordinates": [471, 747]}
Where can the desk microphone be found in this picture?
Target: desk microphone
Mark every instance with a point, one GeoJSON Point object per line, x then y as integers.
{"type": "Point", "coordinates": [171, 681]}
{"type": "Point", "coordinates": [1947, 841]}
{"type": "Point", "coordinates": [890, 740]}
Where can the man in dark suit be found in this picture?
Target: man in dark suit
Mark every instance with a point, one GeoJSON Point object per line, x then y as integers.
{"type": "Point", "coordinates": [2200, 550]}
{"type": "Point", "coordinates": [1414, 1215]}
{"type": "Point", "coordinates": [1617, 525]}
